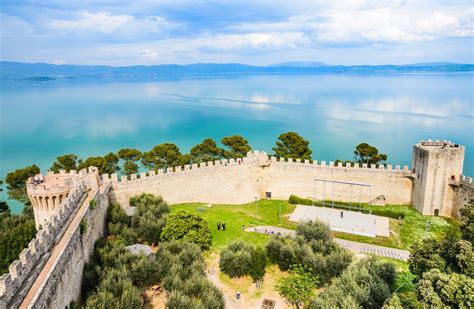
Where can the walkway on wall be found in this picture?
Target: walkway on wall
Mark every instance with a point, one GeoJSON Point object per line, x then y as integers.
{"type": "Point", "coordinates": [56, 253]}
{"type": "Point", "coordinates": [356, 247]}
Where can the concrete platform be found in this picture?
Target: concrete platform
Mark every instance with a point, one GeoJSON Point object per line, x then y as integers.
{"type": "Point", "coordinates": [344, 220]}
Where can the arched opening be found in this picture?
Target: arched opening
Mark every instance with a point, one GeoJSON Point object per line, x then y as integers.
{"type": "Point", "coordinates": [40, 203]}
{"type": "Point", "coordinates": [436, 212]}
{"type": "Point", "coordinates": [54, 202]}
{"type": "Point", "coordinates": [60, 199]}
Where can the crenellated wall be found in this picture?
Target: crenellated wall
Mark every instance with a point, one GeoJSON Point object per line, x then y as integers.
{"type": "Point", "coordinates": [240, 181]}
{"type": "Point", "coordinates": [49, 272]}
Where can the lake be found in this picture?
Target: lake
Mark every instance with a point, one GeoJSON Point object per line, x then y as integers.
{"type": "Point", "coordinates": [40, 121]}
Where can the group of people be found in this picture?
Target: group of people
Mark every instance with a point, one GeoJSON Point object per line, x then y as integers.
{"type": "Point", "coordinates": [37, 179]}
{"type": "Point", "coordinates": [220, 226]}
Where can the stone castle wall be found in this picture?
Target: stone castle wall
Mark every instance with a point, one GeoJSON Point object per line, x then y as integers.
{"type": "Point", "coordinates": [57, 289]}
{"type": "Point", "coordinates": [15, 284]}
{"type": "Point", "coordinates": [241, 181]}
{"type": "Point", "coordinates": [58, 292]}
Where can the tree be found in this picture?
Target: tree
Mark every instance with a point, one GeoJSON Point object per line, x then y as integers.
{"type": "Point", "coordinates": [291, 145]}
{"type": "Point", "coordinates": [66, 162]}
{"type": "Point", "coordinates": [129, 154]}
{"type": "Point", "coordinates": [315, 230]}
{"type": "Point", "coordinates": [365, 153]}
{"type": "Point", "coordinates": [297, 288]}
{"type": "Point", "coordinates": [4, 207]}
{"type": "Point", "coordinates": [130, 167]}
{"type": "Point", "coordinates": [442, 290]}
{"type": "Point", "coordinates": [467, 221]}
{"type": "Point", "coordinates": [258, 263]}
{"type": "Point", "coordinates": [112, 161]}
{"type": "Point", "coordinates": [206, 151]}
{"type": "Point", "coordinates": [238, 146]}
{"type": "Point", "coordinates": [184, 225]}
{"type": "Point", "coordinates": [236, 259]}
{"type": "Point", "coordinates": [164, 155]}
{"type": "Point", "coordinates": [16, 182]}
{"type": "Point", "coordinates": [393, 303]}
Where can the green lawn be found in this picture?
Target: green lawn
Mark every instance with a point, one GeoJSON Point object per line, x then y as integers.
{"type": "Point", "coordinates": [412, 228]}
{"type": "Point", "coordinates": [235, 216]}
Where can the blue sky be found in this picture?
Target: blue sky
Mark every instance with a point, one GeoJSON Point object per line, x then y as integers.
{"type": "Point", "coordinates": [252, 32]}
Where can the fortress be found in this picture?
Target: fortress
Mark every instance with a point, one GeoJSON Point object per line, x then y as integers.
{"type": "Point", "coordinates": [49, 272]}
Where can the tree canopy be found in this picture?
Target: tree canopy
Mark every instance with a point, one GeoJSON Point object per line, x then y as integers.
{"type": "Point", "coordinates": [107, 164]}
{"type": "Point", "coordinates": [16, 182]}
{"type": "Point", "coordinates": [297, 288]}
{"type": "Point", "coordinates": [129, 154]}
{"type": "Point", "coordinates": [206, 151]}
{"type": "Point", "coordinates": [365, 153]}
{"type": "Point", "coordinates": [292, 145]}
{"type": "Point", "coordinates": [164, 155]}
{"type": "Point", "coordinates": [184, 225]}
{"type": "Point", "coordinates": [237, 146]}
{"type": "Point", "coordinates": [66, 162]}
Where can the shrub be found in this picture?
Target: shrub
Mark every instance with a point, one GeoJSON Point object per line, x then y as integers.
{"type": "Point", "coordinates": [258, 263]}
{"type": "Point", "coordinates": [184, 225]}
{"type": "Point", "coordinates": [316, 230]}
{"type": "Point", "coordinates": [92, 204]}
{"type": "Point", "coordinates": [83, 226]}
{"type": "Point", "coordinates": [236, 259]}
{"type": "Point", "coordinates": [379, 210]}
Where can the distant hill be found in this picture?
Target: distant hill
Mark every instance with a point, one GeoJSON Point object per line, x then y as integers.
{"type": "Point", "coordinates": [44, 72]}
{"type": "Point", "coordinates": [300, 64]}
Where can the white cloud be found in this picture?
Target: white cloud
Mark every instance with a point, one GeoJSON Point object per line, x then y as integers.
{"type": "Point", "coordinates": [106, 23]}
{"type": "Point", "coordinates": [150, 54]}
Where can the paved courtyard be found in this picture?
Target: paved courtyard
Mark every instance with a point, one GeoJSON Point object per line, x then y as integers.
{"type": "Point", "coordinates": [356, 247]}
{"type": "Point", "coordinates": [344, 220]}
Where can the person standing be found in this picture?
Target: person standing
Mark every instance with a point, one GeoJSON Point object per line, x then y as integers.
{"type": "Point", "coordinates": [218, 225]}
{"type": "Point", "coordinates": [223, 226]}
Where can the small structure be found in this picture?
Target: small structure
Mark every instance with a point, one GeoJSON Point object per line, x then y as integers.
{"type": "Point", "coordinates": [130, 211]}
{"type": "Point", "coordinates": [268, 304]}
{"type": "Point", "coordinates": [139, 249]}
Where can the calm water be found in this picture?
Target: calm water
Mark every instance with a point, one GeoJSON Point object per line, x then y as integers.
{"type": "Point", "coordinates": [335, 112]}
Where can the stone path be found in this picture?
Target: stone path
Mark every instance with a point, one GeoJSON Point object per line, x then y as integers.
{"type": "Point", "coordinates": [356, 247]}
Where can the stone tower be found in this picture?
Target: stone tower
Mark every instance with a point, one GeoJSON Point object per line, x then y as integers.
{"type": "Point", "coordinates": [437, 166]}
{"type": "Point", "coordinates": [48, 195]}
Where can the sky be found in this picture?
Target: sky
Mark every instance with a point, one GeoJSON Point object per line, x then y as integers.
{"type": "Point", "coordinates": [147, 32]}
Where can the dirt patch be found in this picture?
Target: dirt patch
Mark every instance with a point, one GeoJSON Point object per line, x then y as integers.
{"type": "Point", "coordinates": [154, 297]}
{"type": "Point", "coordinates": [251, 296]}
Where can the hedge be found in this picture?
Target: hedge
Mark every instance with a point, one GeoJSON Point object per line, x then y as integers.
{"type": "Point", "coordinates": [378, 211]}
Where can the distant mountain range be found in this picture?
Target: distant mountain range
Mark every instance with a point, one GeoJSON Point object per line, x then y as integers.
{"type": "Point", "coordinates": [15, 71]}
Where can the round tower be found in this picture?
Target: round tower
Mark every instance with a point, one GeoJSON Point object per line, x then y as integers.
{"type": "Point", "coordinates": [437, 166]}
{"type": "Point", "coordinates": [47, 193]}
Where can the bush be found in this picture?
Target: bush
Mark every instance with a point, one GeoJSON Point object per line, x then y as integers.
{"type": "Point", "coordinates": [83, 226]}
{"type": "Point", "coordinates": [184, 225]}
{"type": "Point", "coordinates": [312, 248]}
{"type": "Point", "coordinates": [92, 204]}
{"type": "Point", "coordinates": [316, 230]}
{"type": "Point", "coordinates": [258, 263]}
{"type": "Point", "coordinates": [378, 211]}
{"type": "Point", "coordinates": [236, 259]}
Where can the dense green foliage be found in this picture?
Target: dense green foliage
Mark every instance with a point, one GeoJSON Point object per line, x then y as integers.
{"type": "Point", "coordinates": [16, 231]}
{"type": "Point", "coordinates": [107, 164]}
{"type": "Point", "coordinates": [365, 153]}
{"type": "Point", "coordinates": [130, 156]}
{"type": "Point", "coordinates": [206, 151]}
{"type": "Point", "coordinates": [378, 211]}
{"type": "Point", "coordinates": [366, 284]}
{"type": "Point", "coordinates": [183, 272]}
{"type": "Point", "coordinates": [258, 263]}
{"type": "Point", "coordinates": [150, 216]}
{"type": "Point", "coordinates": [66, 162]}
{"type": "Point", "coordinates": [444, 269]}
{"type": "Point", "coordinates": [16, 182]}
{"type": "Point", "coordinates": [236, 259]}
{"type": "Point", "coordinates": [297, 288]}
{"type": "Point", "coordinates": [311, 247]}
{"type": "Point", "coordinates": [164, 155]}
{"type": "Point", "coordinates": [184, 225]}
{"type": "Point", "coordinates": [237, 145]}
{"type": "Point", "coordinates": [292, 145]}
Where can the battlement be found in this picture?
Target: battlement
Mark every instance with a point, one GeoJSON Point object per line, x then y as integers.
{"type": "Point", "coordinates": [259, 158]}
{"type": "Point", "coordinates": [439, 144]}
{"type": "Point", "coordinates": [33, 257]}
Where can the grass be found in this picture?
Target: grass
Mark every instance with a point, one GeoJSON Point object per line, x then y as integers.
{"type": "Point", "coordinates": [235, 216]}
{"type": "Point", "coordinates": [412, 227]}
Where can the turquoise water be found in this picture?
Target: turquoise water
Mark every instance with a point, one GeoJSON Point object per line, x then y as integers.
{"type": "Point", "coordinates": [40, 121]}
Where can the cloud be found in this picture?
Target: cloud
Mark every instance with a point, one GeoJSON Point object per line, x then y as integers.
{"type": "Point", "coordinates": [106, 24]}
{"type": "Point", "coordinates": [150, 54]}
